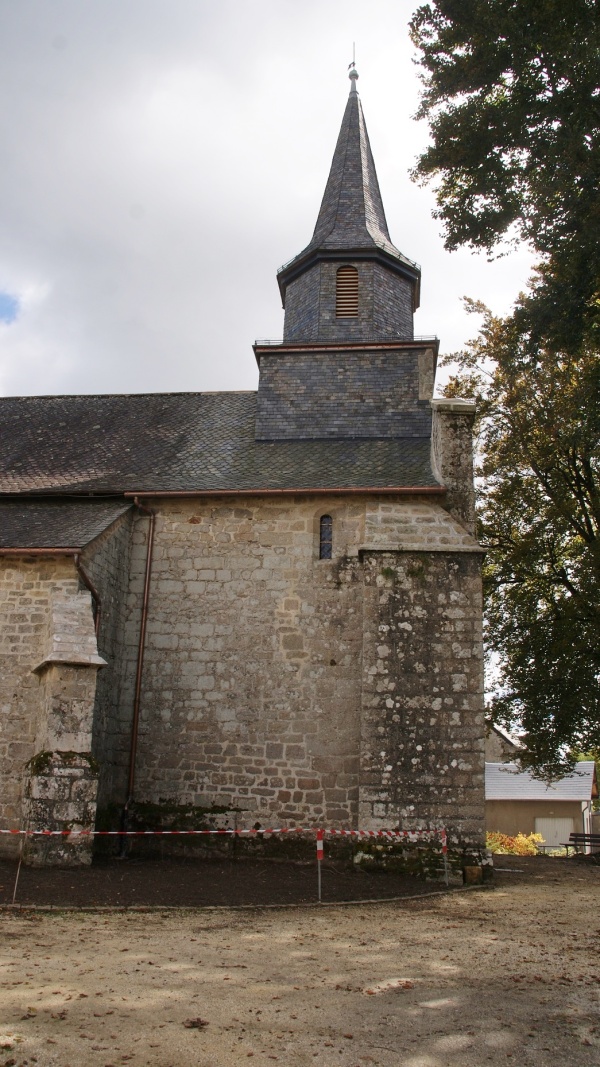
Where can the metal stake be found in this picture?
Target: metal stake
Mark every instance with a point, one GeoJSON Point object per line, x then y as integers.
{"type": "Point", "coordinates": [445, 855]}
{"type": "Point", "coordinates": [320, 834]}
{"type": "Point", "coordinates": [21, 844]}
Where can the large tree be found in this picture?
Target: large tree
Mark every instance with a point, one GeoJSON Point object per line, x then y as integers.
{"type": "Point", "coordinates": [511, 94]}
{"type": "Point", "coordinates": [539, 515]}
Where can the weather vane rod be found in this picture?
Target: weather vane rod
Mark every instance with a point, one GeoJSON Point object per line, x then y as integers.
{"type": "Point", "coordinates": [353, 75]}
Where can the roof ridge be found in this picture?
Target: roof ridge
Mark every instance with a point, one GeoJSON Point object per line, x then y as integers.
{"type": "Point", "coordinates": [120, 396]}
{"type": "Point", "coordinates": [337, 206]}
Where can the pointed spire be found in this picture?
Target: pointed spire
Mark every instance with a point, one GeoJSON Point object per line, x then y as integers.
{"type": "Point", "coordinates": [351, 216]}
{"type": "Point", "coordinates": [351, 213]}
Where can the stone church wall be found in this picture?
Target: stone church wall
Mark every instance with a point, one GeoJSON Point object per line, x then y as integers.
{"type": "Point", "coordinates": [251, 695]}
{"type": "Point", "coordinates": [267, 669]}
{"type": "Point", "coordinates": [293, 689]}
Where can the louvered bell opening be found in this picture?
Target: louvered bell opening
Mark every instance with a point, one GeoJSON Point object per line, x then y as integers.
{"type": "Point", "coordinates": [346, 293]}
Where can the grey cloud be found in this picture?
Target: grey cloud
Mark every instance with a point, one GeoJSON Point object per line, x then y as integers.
{"type": "Point", "coordinates": [160, 160]}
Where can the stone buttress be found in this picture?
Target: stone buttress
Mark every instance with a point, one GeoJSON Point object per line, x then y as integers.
{"type": "Point", "coordinates": [62, 776]}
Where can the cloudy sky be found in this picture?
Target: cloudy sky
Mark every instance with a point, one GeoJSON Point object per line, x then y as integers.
{"type": "Point", "coordinates": [160, 160]}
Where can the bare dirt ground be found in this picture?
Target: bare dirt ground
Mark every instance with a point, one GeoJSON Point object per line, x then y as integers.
{"type": "Point", "coordinates": [495, 976]}
{"type": "Point", "coordinates": [195, 883]}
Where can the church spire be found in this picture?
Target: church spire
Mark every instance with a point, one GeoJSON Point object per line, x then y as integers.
{"type": "Point", "coordinates": [351, 227]}
{"type": "Point", "coordinates": [352, 211]}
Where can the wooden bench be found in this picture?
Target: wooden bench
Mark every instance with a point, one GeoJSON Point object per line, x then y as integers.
{"type": "Point", "coordinates": [581, 841]}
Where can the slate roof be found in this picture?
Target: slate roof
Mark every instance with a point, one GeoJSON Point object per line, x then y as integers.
{"type": "Point", "coordinates": [56, 523]}
{"type": "Point", "coordinates": [183, 442]}
{"type": "Point", "coordinates": [504, 781]}
{"type": "Point", "coordinates": [352, 214]}
{"type": "Point", "coordinates": [505, 736]}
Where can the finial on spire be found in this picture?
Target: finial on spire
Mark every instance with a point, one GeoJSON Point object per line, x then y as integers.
{"type": "Point", "coordinates": [353, 76]}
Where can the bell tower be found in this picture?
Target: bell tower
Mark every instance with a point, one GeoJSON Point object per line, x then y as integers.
{"type": "Point", "coordinates": [348, 365]}
{"type": "Point", "coordinates": [350, 282]}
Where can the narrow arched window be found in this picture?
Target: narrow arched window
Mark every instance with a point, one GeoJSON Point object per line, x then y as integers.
{"type": "Point", "coordinates": [346, 293]}
{"type": "Point", "coordinates": [325, 537]}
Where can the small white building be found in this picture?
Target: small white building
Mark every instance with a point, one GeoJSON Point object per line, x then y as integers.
{"type": "Point", "coordinates": [516, 802]}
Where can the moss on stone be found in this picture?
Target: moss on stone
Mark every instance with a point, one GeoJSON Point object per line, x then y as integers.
{"type": "Point", "coordinates": [86, 757]}
{"type": "Point", "coordinates": [419, 860]}
{"type": "Point", "coordinates": [418, 570]}
{"type": "Point", "coordinates": [39, 763]}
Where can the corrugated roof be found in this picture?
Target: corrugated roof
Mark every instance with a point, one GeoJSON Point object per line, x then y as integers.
{"type": "Point", "coordinates": [504, 781]}
{"type": "Point", "coordinates": [184, 441]}
{"type": "Point", "coordinates": [55, 524]}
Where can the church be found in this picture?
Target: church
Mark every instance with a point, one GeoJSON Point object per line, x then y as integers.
{"type": "Point", "coordinates": [266, 604]}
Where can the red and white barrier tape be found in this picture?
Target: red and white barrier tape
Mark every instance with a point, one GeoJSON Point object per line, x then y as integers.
{"type": "Point", "coordinates": [274, 830]}
{"type": "Point", "coordinates": [385, 833]}
{"type": "Point", "coordinates": [150, 833]}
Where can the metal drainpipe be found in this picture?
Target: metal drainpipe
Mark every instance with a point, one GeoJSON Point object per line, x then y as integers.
{"type": "Point", "coordinates": [87, 581]}
{"type": "Point", "coordinates": [139, 671]}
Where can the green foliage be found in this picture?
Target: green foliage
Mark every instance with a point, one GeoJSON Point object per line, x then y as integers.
{"type": "Point", "coordinates": [511, 93]}
{"type": "Point", "coordinates": [510, 89]}
{"type": "Point", "coordinates": [539, 515]}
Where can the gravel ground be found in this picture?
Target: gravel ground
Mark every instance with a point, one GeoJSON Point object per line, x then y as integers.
{"type": "Point", "coordinates": [470, 978]}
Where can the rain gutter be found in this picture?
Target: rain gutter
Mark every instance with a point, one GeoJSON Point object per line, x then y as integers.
{"type": "Point", "coordinates": [40, 551]}
{"type": "Point", "coordinates": [402, 490]}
